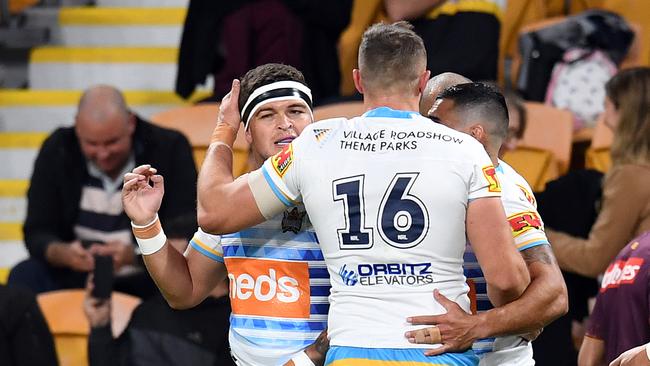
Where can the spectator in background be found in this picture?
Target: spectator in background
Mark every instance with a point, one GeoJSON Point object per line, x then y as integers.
{"type": "Point", "coordinates": [620, 318]}
{"type": "Point", "coordinates": [25, 339]}
{"type": "Point", "coordinates": [197, 336]}
{"type": "Point", "coordinates": [625, 209]}
{"type": "Point", "coordinates": [461, 36]}
{"type": "Point", "coordinates": [74, 201]}
{"type": "Point", "coordinates": [226, 39]}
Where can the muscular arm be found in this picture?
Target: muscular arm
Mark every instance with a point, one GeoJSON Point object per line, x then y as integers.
{"type": "Point", "coordinates": [407, 10]}
{"type": "Point", "coordinates": [504, 269]}
{"type": "Point", "coordinates": [225, 205]}
{"type": "Point", "coordinates": [592, 352]}
{"type": "Point", "coordinates": [184, 281]}
{"type": "Point", "coordinates": [546, 297]}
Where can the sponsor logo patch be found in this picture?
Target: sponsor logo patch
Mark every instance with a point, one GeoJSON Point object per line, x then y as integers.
{"type": "Point", "coordinates": [282, 160]}
{"type": "Point", "coordinates": [490, 174]}
{"type": "Point", "coordinates": [524, 221]}
{"type": "Point", "coordinates": [269, 287]}
{"type": "Point", "coordinates": [391, 274]}
{"type": "Point", "coordinates": [529, 196]}
{"type": "Point", "coordinates": [621, 272]}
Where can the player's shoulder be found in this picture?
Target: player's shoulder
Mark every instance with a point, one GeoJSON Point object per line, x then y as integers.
{"type": "Point", "coordinates": [512, 175]}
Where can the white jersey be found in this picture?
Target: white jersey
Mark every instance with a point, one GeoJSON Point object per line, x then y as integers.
{"type": "Point", "coordinates": [278, 287]}
{"type": "Point", "coordinates": [387, 194]}
{"type": "Point", "coordinates": [528, 231]}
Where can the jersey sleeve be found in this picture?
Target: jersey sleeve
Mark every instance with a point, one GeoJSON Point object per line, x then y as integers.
{"type": "Point", "coordinates": [596, 324]}
{"type": "Point", "coordinates": [484, 181]}
{"type": "Point", "coordinates": [207, 244]}
{"type": "Point", "coordinates": [275, 185]}
{"type": "Point", "coordinates": [525, 222]}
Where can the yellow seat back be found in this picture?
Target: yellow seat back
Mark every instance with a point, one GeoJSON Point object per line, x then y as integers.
{"type": "Point", "coordinates": [537, 166]}
{"type": "Point", "coordinates": [63, 311]}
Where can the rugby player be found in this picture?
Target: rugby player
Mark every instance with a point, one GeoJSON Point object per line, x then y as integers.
{"type": "Point", "coordinates": [480, 111]}
{"type": "Point", "coordinates": [391, 197]}
{"type": "Point", "coordinates": [278, 280]}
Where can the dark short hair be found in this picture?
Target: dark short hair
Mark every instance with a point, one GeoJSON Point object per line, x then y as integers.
{"type": "Point", "coordinates": [264, 75]}
{"type": "Point", "coordinates": [482, 100]}
{"type": "Point", "coordinates": [391, 54]}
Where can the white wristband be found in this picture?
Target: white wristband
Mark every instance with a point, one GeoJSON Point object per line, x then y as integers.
{"type": "Point", "coordinates": [152, 245]}
{"type": "Point", "coordinates": [301, 359]}
{"type": "Point", "coordinates": [647, 350]}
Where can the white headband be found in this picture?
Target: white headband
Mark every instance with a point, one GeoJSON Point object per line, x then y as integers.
{"type": "Point", "coordinates": [274, 92]}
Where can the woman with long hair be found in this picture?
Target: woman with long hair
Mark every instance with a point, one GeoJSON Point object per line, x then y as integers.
{"type": "Point", "coordinates": [625, 209]}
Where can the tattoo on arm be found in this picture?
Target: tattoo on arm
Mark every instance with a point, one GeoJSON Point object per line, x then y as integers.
{"type": "Point", "coordinates": [540, 253]}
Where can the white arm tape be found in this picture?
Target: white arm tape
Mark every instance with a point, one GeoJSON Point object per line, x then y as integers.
{"type": "Point", "coordinates": [647, 351]}
{"type": "Point", "coordinates": [301, 359]}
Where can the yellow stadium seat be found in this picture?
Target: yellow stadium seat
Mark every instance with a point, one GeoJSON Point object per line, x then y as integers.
{"type": "Point", "coordinates": [597, 155]}
{"type": "Point", "coordinates": [196, 123]}
{"type": "Point", "coordinates": [638, 12]}
{"type": "Point", "coordinates": [63, 311]}
{"type": "Point", "coordinates": [537, 166]}
{"type": "Point", "coordinates": [343, 109]}
{"type": "Point", "coordinates": [549, 129]}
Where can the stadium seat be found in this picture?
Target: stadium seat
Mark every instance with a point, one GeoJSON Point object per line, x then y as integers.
{"type": "Point", "coordinates": [549, 129]}
{"type": "Point", "coordinates": [537, 166]}
{"type": "Point", "coordinates": [63, 311]}
{"type": "Point", "coordinates": [635, 11]}
{"type": "Point", "coordinates": [597, 155]}
{"type": "Point", "coordinates": [343, 109]}
{"type": "Point", "coordinates": [196, 123]}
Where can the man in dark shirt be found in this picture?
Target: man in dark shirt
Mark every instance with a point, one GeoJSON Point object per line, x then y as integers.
{"type": "Point", "coordinates": [74, 207]}
{"type": "Point", "coordinates": [620, 320]}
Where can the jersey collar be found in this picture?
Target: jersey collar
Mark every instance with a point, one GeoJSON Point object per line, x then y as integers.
{"type": "Point", "coordinates": [390, 113]}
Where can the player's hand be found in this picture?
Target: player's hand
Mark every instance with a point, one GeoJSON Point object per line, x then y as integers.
{"type": "Point", "coordinates": [316, 351]}
{"type": "Point", "coordinates": [140, 200]}
{"type": "Point", "coordinates": [455, 330]}
{"type": "Point", "coordinates": [635, 357]}
{"type": "Point", "coordinates": [98, 311]}
{"type": "Point", "coordinates": [229, 107]}
{"type": "Point", "coordinates": [532, 335]}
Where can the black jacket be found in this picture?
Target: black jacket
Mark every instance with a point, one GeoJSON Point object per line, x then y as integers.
{"type": "Point", "coordinates": [60, 170]}
{"type": "Point", "coordinates": [158, 335]}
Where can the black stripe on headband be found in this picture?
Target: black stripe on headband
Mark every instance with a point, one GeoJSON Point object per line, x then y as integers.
{"type": "Point", "coordinates": [275, 93]}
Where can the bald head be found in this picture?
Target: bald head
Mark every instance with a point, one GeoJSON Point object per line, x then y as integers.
{"type": "Point", "coordinates": [435, 86]}
{"type": "Point", "coordinates": [100, 104]}
{"type": "Point", "coordinates": [104, 127]}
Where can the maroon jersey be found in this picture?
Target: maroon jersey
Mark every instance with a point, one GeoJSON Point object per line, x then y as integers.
{"type": "Point", "coordinates": [622, 312]}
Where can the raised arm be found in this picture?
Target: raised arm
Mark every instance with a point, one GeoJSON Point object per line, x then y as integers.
{"type": "Point", "coordinates": [184, 281]}
{"type": "Point", "coordinates": [225, 205]}
{"type": "Point", "coordinates": [488, 232]}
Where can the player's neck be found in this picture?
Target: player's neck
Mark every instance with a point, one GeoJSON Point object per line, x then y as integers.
{"type": "Point", "coordinates": [394, 102]}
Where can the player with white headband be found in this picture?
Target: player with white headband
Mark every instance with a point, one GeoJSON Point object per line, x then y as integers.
{"type": "Point", "coordinates": [278, 281]}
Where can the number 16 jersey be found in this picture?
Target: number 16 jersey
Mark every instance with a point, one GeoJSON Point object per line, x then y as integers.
{"type": "Point", "coordinates": [387, 194]}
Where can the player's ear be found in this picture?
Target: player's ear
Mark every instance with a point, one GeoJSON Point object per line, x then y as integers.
{"type": "Point", "coordinates": [478, 132]}
{"type": "Point", "coordinates": [422, 82]}
{"type": "Point", "coordinates": [356, 76]}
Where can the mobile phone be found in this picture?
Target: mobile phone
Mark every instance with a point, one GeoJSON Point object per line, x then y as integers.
{"type": "Point", "coordinates": [103, 277]}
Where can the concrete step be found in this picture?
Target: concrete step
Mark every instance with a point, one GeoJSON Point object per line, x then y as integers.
{"type": "Point", "coordinates": [45, 110]}
{"type": "Point", "coordinates": [137, 68]}
{"type": "Point", "coordinates": [150, 27]}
